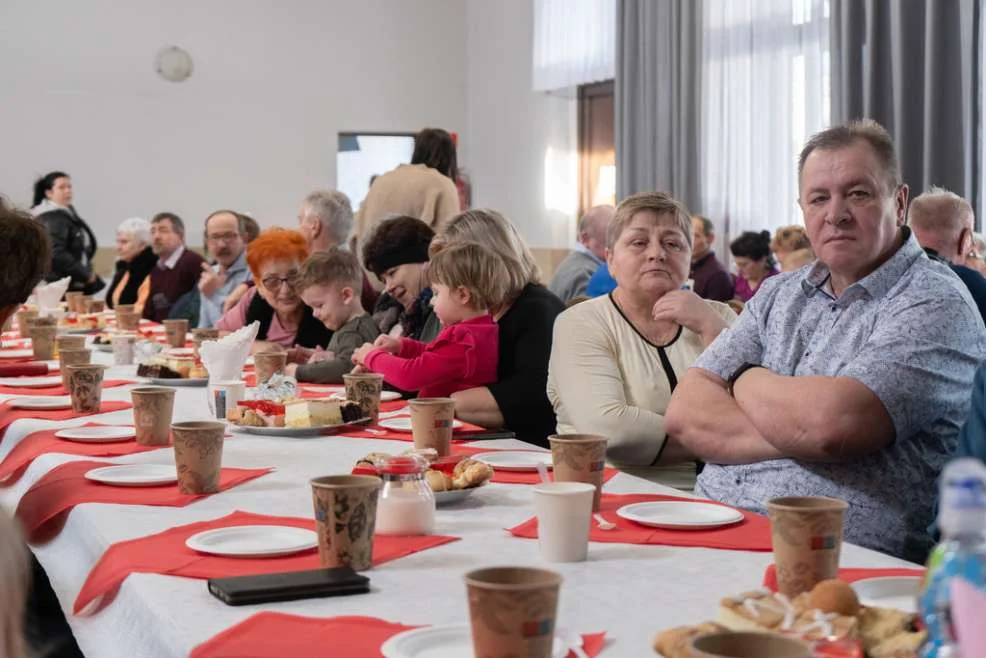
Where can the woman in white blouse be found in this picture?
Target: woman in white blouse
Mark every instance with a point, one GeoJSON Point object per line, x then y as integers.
{"type": "Point", "coordinates": [615, 360]}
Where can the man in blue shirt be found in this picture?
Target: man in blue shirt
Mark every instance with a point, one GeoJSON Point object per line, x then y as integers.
{"type": "Point", "coordinates": [942, 222]}
{"type": "Point", "coordinates": [224, 239]}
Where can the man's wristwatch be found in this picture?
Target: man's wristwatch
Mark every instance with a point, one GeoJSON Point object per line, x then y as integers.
{"type": "Point", "coordinates": [731, 382]}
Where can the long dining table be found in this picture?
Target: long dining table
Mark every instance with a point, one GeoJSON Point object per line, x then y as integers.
{"type": "Point", "coordinates": [628, 591]}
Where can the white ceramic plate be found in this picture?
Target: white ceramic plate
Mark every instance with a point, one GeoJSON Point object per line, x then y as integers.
{"type": "Point", "coordinates": [16, 354]}
{"type": "Point", "coordinates": [296, 432]}
{"type": "Point", "coordinates": [509, 460]}
{"type": "Point", "coordinates": [49, 403]}
{"type": "Point", "coordinates": [680, 515]}
{"type": "Point", "coordinates": [897, 592]}
{"type": "Point", "coordinates": [134, 475]}
{"type": "Point", "coordinates": [403, 424]}
{"type": "Point", "coordinates": [385, 396]}
{"type": "Point", "coordinates": [253, 541]}
{"type": "Point", "coordinates": [32, 382]}
{"type": "Point", "coordinates": [178, 382]}
{"type": "Point", "coordinates": [456, 496]}
{"type": "Point", "coordinates": [97, 434]}
{"type": "Point", "coordinates": [453, 642]}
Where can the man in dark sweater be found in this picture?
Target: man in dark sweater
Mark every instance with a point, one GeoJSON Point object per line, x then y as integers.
{"type": "Point", "coordinates": [709, 276]}
{"type": "Point", "coordinates": [178, 269]}
{"type": "Point", "coordinates": [942, 222]}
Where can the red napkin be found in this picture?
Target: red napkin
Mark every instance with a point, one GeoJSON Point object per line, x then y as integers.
{"type": "Point", "coordinates": [65, 486]}
{"type": "Point", "coordinates": [517, 477]}
{"type": "Point", "coordinates": [847, 575]}
{"type": "Point", "coordinates": [166, 553]}
{"type": "Point", "coordinates": [23, 368]}
{"type": "Point", "coordinates": [751, 534]}
{"type": "Point", "coordinates": [9, 414]}
{"type": "Point", "coordinates": [45, 441]}
{"type": "Point", "coordinates": [276, 634]}
{"type": "Point", "coordinates": [57, 389]}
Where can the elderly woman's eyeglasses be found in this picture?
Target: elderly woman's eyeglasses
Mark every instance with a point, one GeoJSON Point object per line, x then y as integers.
{"type": "Point", "coordinates": [274, 282]}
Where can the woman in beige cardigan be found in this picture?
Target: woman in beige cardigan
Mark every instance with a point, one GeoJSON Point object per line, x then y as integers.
{"type": "Point", "coordinates": [424, 189]}
{"type": "Point", "coordinates": [615, 360]}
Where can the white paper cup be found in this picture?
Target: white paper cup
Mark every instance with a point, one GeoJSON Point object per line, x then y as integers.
{"type": "Point", "coordinates": [123, 348]}
{"type": "Point", "coordinates": [564, 512]}
{"type": "Point", "coordinates": [224, 395]}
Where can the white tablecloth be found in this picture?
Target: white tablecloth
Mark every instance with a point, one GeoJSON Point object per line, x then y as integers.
{"type": "Point", "coordinates": [629, 591]}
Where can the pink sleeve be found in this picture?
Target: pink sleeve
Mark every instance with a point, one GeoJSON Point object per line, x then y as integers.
{"type": "Point", "coordinates": [235, 318]}
{"type": "Point", "coordinates": [411, 348]}
{"type": "Point", "coordinates": [436, 365]}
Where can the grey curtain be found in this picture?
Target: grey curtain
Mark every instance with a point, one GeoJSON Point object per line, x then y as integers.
{"type": "Point", "coordinates": [657, 97]}
{"type": "Point", "coordinates": [913, 65]}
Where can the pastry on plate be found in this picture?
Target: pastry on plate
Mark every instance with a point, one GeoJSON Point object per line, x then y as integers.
{"type": "Point", "coordinates": [439, 481]}
{"type": "Point", "coordinates": [471, 473]}
{"type": "Point", "coordinates": [673, 643]}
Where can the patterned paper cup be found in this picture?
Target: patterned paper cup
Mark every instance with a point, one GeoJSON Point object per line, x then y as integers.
{"type": "Point", "coordinates": [75, 357]}
{"type": "Point", "coordinates": [806, 532]}
{"type": "Point", "coordinates": [579, 458]}
{"type": "Point", "coordinates": [153, 409]}
{"type": "Point", "coordinates": [85, 385]}
{"type": "Point", "coordinates": [431, 423]}
{"type": "Point", "coordinates": [268, 364]}
{"type": "Point", "coordinates": [364, 389]}
{"type": "Point", "coordinates": [198, 455]}
{"type": "Point", "coordinates": [345, 517]}
{"type": "Point", "coordinates": [175, 331]}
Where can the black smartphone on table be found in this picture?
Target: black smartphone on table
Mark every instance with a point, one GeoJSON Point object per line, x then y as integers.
{"type": "Point", "coordinates": [267, 588]}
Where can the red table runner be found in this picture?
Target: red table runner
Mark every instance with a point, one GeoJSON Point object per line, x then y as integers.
{"type": "Point", "coordinates": [750, 534]}
{"type": "Point", "coordinates": [57, 389]}
{"type": "Point", "coordinates": [276, 634]}
{"type": "Point", "coordinates": [44, 441]}
{"type": "Point", "coordinates": [847, 575]}
{"type": "Point", "coordinates": [64, 487]}
{"type": "Point", "coordinates": [8, 414]}
{"type": "Point", "coordinates": [166, 553]}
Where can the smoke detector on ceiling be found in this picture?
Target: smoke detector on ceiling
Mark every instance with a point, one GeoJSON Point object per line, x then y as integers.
{"type": "Point", "coordinates": [173, 64]}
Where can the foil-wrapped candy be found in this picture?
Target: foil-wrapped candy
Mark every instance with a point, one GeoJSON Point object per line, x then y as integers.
{"type": "Point", "coordinates": [145, 350]}
{"type": "Point", "coordinates": [278, 387]}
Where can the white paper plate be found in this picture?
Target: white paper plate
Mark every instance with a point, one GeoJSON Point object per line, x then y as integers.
{"type": "Point", "coordinates": [53, 366]}
{"type": "Point", "coordinates": [326, 389]}
{"type": "Point", "coordinates": [178, 382]}
{"type": "Point", "coordinates": [48, 403]}
{"type": "Point", "coordinates": [453, 642]}
{"type": "Point", "coordinates": [509, 460]}
{"type": "Point", "coordinates": [79, 330]}
{"type": "Point", "coordinates": [180, 351]}
{"type": "Point", "coordinates": [98, 434]}
{"type": "Point", "coordinates": [385, 396]}
{"type": "Point", "coordinates": [253, 541]}
{"type": "Point", "coordinates": [403, 424]}
{"type": "Point", "coordinates": [134, 475]}
{"type": "Point", "coordinates": [16, 354]}
{"type": "Point", "coordinates": [32, 382]}
{"type": "Point", "coordinates": [296, 432]}
{"type": "Point", "coordinates": [897, 592]}
{"type": "Point", "coordinates": [680, 515]}
{"type": "Point", "coordinates": [455, 496]}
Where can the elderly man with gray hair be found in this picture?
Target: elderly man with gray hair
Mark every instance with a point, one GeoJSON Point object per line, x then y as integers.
{"type": "Point", "coordinates": [573, 273]}
{"type": "Point", "coordinates": [942, 222]}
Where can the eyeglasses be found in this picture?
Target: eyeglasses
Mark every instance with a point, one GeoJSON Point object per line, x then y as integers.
{"type": "Point", "coordinates": [222, 237]}
{"type": "Point", "coordinates": [274, 282]}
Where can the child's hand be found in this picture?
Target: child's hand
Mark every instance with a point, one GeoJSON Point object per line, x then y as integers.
{"type": "Point", "coordinates": [298, 354]}
{"type": "Point", "coordinates": [291, 370]}
{"type": "Point", "coordinates": [321, 355]}
{"type": "Point", "coordinates": [360, 354]}
{"type": "Point", "coordinates": [388, 344]}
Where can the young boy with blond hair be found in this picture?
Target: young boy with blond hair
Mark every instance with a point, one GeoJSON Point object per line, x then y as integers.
{"type": "Point", "coordinates": [467, 280]}
{"type": "Point", "coordinates": [330, 283]}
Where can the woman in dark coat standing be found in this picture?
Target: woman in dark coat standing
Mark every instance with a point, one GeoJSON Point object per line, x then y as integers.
{"type": "Point", "coordinates": [73, 243]}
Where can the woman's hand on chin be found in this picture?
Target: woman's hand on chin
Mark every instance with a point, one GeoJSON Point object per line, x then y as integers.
{"type": "Point", "coordinates": [691, 311]}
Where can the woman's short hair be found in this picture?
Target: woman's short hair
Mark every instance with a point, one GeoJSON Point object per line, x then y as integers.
{"type": "Point", "coordinates": [435, 148]}
{"type": "Point", "coordinates": [15, 583]}
{"type": "Point", "coordinates": [481, 271]}
{"type": "Point", "coordinates": [397, 241]}
{"type": "Point", "coordinates": [275, 244]}
{"type": "Point", "coordinates": [494, 231]}
{"type": "Point", "coordinates": [45, 183]}
{"type": "Point", "coordinates": [137, 228]}
{"type": "Point", "coordinates": [27, 255]}
{"type": "Point", "coordinates": [334, 267]}
{"type": "Point", "coordinates": [790, 238]}
{"type": "Point", "coordinates": [659, 203]}
{"type": "Point", "coordinates": [752, 245]}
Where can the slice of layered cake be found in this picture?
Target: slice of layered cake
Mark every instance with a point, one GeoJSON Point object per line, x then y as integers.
{"type": "Point", "coordinates": [320, 412]}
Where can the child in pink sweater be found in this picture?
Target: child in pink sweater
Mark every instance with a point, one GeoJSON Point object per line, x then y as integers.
{"type": "Point", "coordinates": [467, 280]}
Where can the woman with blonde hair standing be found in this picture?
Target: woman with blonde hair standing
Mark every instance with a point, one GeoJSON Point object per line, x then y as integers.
{"type": "Point", "coordinates": [517, 401]}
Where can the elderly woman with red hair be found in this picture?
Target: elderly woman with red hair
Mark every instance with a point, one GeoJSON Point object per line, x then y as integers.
{"type": "Point", "coordinates": [275, 259]}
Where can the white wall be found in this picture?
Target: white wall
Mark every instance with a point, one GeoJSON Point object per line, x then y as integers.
{"type": "Point", "coordinates": [255, 126]}
{"type": "Point", "coordinates": [519, 146]}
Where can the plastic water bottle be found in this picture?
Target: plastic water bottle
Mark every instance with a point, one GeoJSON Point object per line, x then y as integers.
{"type": "Point", "coordinates": [962, 552]}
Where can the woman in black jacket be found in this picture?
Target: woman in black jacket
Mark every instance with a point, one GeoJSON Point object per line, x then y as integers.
{"type": "Point", "coordinates": [73, 243]}
{"type": "Point", "coordinates": [131, 283]}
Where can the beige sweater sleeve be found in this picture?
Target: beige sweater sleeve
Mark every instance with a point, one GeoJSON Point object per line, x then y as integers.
{"type": "Point", "coordinates": [589, 385]}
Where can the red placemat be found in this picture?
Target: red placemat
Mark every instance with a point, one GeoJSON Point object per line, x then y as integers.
{"type": "Point", "coordinates": [24, 369]}
{"type": "Point", "coordinates": [518, 477]}
{"type": "Point", "coordinates": [58, 389]}
{"type": "Point", "coordinates": [846, 575]}
{"type": "Point", "coordinates": [9, 414]}
{"type": "Point", "coordinates": [750, 534]}
{"type": "Point", "coordinates": [166, 553]}
{"type": "Point", "coordinates": [65, 486]}
{"type": "Point", "coordinates": [45, 441]}
{"type": "Point", "coordinates": [276, 634]}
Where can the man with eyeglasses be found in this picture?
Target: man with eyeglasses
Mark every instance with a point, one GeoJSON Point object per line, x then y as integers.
{"type": "Point", "coordinates": [224, 240]}
{"type": "Point", "coordinates": [177, 270]}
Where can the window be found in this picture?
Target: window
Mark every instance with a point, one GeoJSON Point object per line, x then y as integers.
{"type": "Point", "coordinates": [361, 156]}
{"type": "Point", "coordinates": [597, 148]}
